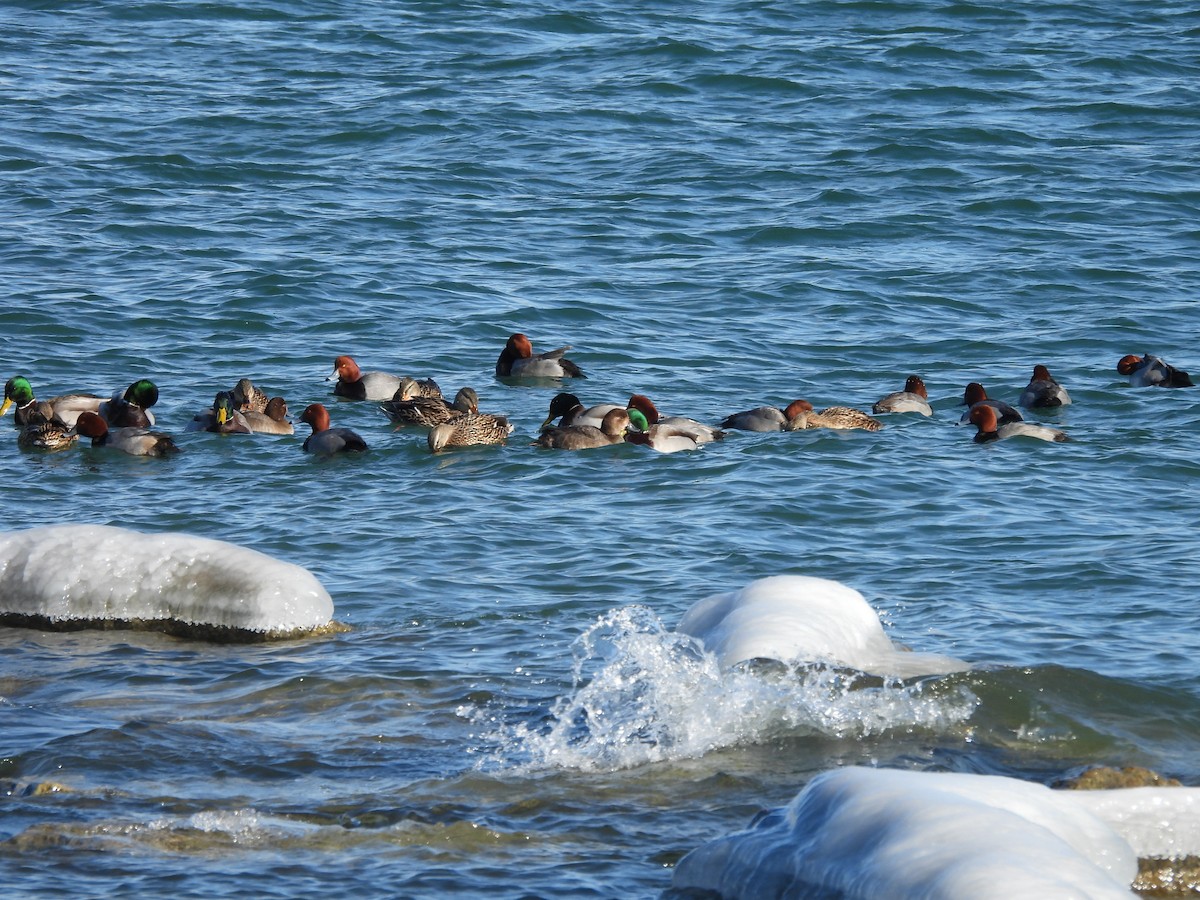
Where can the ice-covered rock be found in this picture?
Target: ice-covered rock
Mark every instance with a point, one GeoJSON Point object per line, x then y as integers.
{"type": "Point", "coordinates": [76, 576]}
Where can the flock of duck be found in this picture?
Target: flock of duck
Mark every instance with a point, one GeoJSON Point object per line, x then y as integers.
{"type": "Point", "coordinates": [124, 421]}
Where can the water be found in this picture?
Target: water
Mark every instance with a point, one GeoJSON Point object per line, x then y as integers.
{"type": "Point", "coordinates": [720, 207]}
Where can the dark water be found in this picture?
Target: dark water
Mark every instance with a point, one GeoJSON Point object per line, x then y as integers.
{"type": "Point", "coordinates": [719, 207]}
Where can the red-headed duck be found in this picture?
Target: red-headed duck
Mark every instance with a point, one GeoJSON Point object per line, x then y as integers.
{"type": "Point", "coordinates": [354, 384]}
{"type": "Point", "coordinates": [1151, 371]}
{"type": "Point", "coordinates": [517, 360]}
{"type": "Point", "coordinates": [1043, 391]}
{"type": "Point", "coordinates": [988, 428]}
{"type": "Point", "coordinates": [914, 398]}
{"type": "Point", "coordinates": [974, 394]}
{"type": "Point", "coordinates": [586, 437]}
{"type": "Point", "coordinates": [570, 411]}
{"type": "Point", "coordinates": [470, 430]}
{"type": "Point", "coordinates": [326, 441]}
{"type": "Point", "coordinates": [134, 441]}
{"type": "Point", "coordinates": [426, 412]}
{"type": "Point", "coordinates": [769, 418]}
{"type": "Point", "coordinates": [702, 433]}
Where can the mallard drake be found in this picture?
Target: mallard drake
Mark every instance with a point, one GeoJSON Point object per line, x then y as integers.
{"type": "Point", "coordinates": [248, 398]}
{"type": "Point", "coordinates": [586, 437]}
{"type": "Point", "coordinates": [567, 408]}
{"type": "Point", "coordinates": [18, 392]}
{"type": "Point", "coordinates": [702, 433]}
{"type": "Point", "coordinates": [842, 418]}
{"type": "Point", "coordinates": [517, 360]}
{"type": "Point", "coordinates": [469, 430]}
{"type": "Point", "coordinates": [914, 398]}
{"type": "Point", "coordinates": [1043, 391]}
{"type": "Point", "coordinates": [427, 412]}
{"type": "Point", "coordinates": [974, 394]}
{"type": "Point", "coordinates": [326, 441]}
{"type": "Point", "coordinates": [220, 418]}
{"type": "Point", "coordinates": [663, 438]}
{"type": "Point", "coordinates": [131, 408]}
{"type": "Point", "coordinates": [134, 441]}
{"type": "Point", "coordinates": [272, 420]}
{"type": "Point", "coordinates": [1151, 371]}
{"type": "Point", "coordinates": [986, 421]}
{"type": "Point", "coordinates": [768, 418]}
{"type": "Point", "coordinates": [354, 384]}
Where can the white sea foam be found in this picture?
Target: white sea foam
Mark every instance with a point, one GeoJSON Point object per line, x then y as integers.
{"type": "Point", "coordinates": [800, 619]}
{"type": "Point", "coordinates": [96, 572]}
{"type": "Point", "coordinates": [642, 693]}
{"type": "Point", "coordinates": [867, 833]}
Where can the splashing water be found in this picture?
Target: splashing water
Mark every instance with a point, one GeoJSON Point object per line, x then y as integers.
{"type": "Point", "coordinates": [643, 694]}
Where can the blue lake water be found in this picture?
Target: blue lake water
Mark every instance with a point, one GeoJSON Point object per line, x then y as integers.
{"type": "Point", "coordinates": [721, 207]}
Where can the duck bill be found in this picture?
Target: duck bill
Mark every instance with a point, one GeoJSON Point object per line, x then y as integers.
{"type": "Point", "coordinates": [222, 416]}
{"type": "Point", "coordinates": [5, 405]}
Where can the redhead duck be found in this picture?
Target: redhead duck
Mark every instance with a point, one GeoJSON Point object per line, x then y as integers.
{"type": "Point", "coordinates": [586, 437]}
{"type": "Point", "coordinates": [427, 412]}
{"type": "Point", "coordinates": [326, 441]}
{"type": "Point", "coordinates": [914, 398]}
{"type": "Point", "coordinates": [842, 418]}
{"type": "Point", "coordinates": [662, 438]}
{"type": "Point", "coordinates": [702, 433]}
{"type": "Point", "coordinates": [354, 384]}
{"type": "Point", "coordinates": [1043, 392]}
{"type": "Point", "coordinates": [272, 420]}
{"type": "Point", "coordinates": [220, 418]}
{"type": "Point", "coordinates": [974, 394]}
{"type": "Point", "coordinates": [134, 441]}
{"type": "Point", "coordinates": [1151, 371]}
{"type": "Point", "coordinates": [986, 421]}
{"type": "Point", "coordinates": [469, 430]}
{"type": "Point", "coordinates": [768, 418]}
{"type": "Point", "coordinates": [517, 360]}
{"type": "Point", "coordinates": [570, 411]}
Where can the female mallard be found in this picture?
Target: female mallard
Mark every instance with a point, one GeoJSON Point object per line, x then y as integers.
{"type": "Point", "coordinates": [914, 398]}
{"type": "Point", "coordinates": [586, 437]}
{"type": "Point", "coordinates": [568, 409]}
{"type": "Point", "coordinates": [221, 418]}
{"type": "Point", "coordinates": [517, 360]}
{"type": "Point", "coordinates": [324, 440]}
{"type": "Point", "coordinates": [45, 431]}
{"type": "Point", "coordinates": [842, 418]}
{"type": "Point", "coordinates": [134, 441]}
{"type": "Point", "coordinates": [272, 420]}
{"type": "Point", "coordinates": [427, 412]}
{"type": "Point", "coordinates": [248, 398]}
{"type": "Point", "coordinates": [768, 418]}
{"type": "Point", "coordinates": [702, 433]}
{"type": "Point", "coordinates": [1043, 392]}
{"type": "Point", "coordinates": [468, 430]}
{"type": "Point", "coordinates": [663, 438]}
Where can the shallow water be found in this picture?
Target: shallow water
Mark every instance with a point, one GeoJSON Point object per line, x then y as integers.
{"type": "Point", "coordinates": [721, 208]}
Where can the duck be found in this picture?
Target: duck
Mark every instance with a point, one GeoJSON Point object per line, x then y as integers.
{"type": "Point", "coordinates": [18, 392]}
{"type": "Point", "coordinates": [324, 440]}
{"type": "Point", "coordinates": [427, 412]}
{"type": "Point", "coordinates": [272, 420]}
{"type": "Point", "coordinates": [586, 437]}
{"type": "Point", "coordinates": [410, 388]}
{"type": "Point", "coordinates": [131, 408]}
{"type": "Point", "coordinates": [220, 418]}
{"type": "Point", "coordinates": [354, 384]}
{"type": "Point", "coordinates": [794, 417]}
{"type": "Point", "coordinates": [914, 398]}
{"type": "Point", "coordinates": [45, 431]}
{"type": "Point", "coordinates": [469, 430]}
{"type": "Point", "coordinates": [131, 440]}
{"type": "Point", "coordinates": [1148, 371]}
{"type": "Point", "coordinates": [246, 397]}
{"type": "Point", "coordinates": [974, 394]}
{"type": "Point", "coordinates": [986, 421]}
{"type": "Point", "coordinates": [843, 418]}
{"type": "Point", "coordinates": [570, 411]}
{"type": "Point", "coordinates": [703, 434]}
{"type": "Point", "coordinates": [662, 438]}
{"type": "Point", "coordinates": [1043, 392]}
{"type": "Point", "coordinates": [517, 360]}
